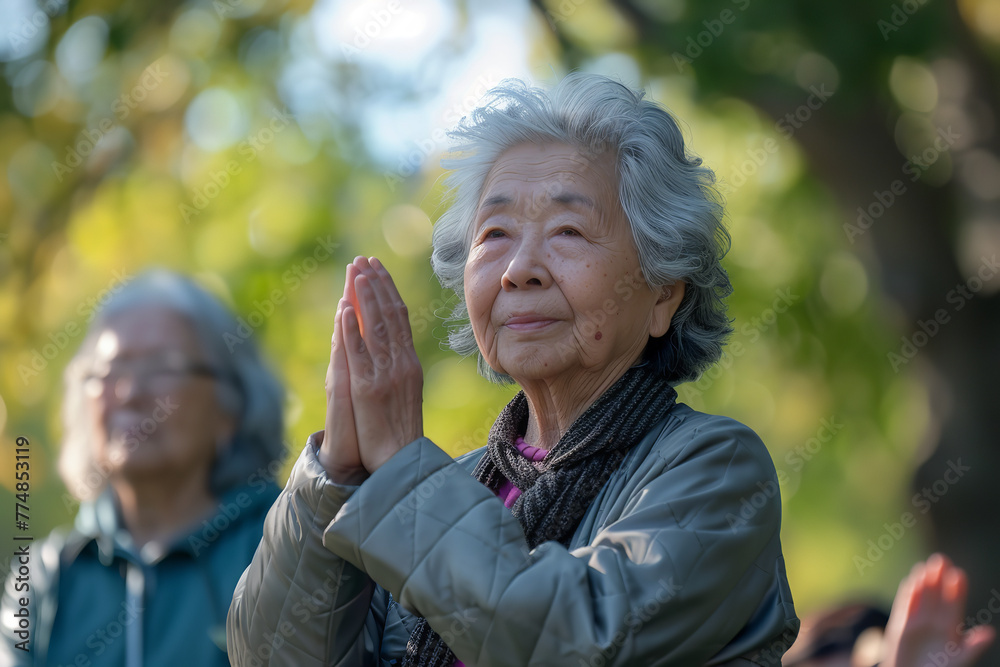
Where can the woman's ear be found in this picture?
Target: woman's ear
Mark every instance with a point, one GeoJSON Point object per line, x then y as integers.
{"type": "Point", "coordinates": [666, 305]}
{"type": "Point", "coordinates": [225, 431]}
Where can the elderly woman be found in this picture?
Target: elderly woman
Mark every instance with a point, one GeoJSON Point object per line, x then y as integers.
{"type": "Point", "coordinates": [171, 442]}
{"type": "Point", "coordinates": [603, 522]}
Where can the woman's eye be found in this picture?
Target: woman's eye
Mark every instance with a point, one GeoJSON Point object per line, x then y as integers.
{"type": "Point", "coordinates": [495, 234]}
{"type": "Point", "coordinates": [568, 232]}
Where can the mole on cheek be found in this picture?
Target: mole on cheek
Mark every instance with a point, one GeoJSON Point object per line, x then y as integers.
{"type": "Point", "coordinates": [598, 335]}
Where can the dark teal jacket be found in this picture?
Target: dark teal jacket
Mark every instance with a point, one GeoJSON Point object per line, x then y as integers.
{"type": "Point", "coordinates": [95, 601]}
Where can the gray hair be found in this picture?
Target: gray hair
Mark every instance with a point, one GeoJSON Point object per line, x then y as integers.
{"type": "Point", "coordinates": [246, 389]}
{"type": "Point", "coordinates": [668, 197]}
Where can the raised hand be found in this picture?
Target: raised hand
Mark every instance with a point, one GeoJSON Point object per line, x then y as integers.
{"type": "Point", "coordinates": [386, 380]}
{"type": "Point", "coordinates": [339, 453]}
{"type": "Point", "coordinates": [925, 626]}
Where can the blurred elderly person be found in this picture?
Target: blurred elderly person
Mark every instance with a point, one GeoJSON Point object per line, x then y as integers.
{"type": "Point", "coordinates": [171, 442]}
{"type": "Point", "coordinates": [603, 522]}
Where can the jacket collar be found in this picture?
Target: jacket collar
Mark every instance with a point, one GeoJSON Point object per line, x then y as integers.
{"type": "Point", "coordinates": [99, 522]}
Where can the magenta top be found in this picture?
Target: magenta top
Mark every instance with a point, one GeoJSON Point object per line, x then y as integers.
{"type": "Point", "coordinates": [509, 493]}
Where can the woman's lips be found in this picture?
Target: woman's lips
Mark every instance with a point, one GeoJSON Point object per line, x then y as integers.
{"type": "Point", "coordinates": [528, 322]}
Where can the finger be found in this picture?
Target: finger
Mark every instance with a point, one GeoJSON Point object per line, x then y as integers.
{"type": "Point", "coordinates": [975, 643]}
{"type": "Point", "coordinates": [955, 588]}
{"type": "Point", "coordinates": [387, 294]}
{"type": "Point", "coordinates": [339, 449]}
{"type": "Point", "coordinates": [905, 598]}
{"type": "Point", "coordinates": [391, 295]}
{"type": "Point", "coordinates": [951, 602]}
{"type": "Point", "coordinates": [333, 351]}
{"type": "Point", "coordinates": [359, 361]}
{"type": "Point", "coordinates": [399, 336]}
{"type": "Point", "coordinates": [350, 293]}
{"type": "Point", "coordinates": [363, 268]}
{"type": "Point", "coordinates": [388, 297]}
{"type": "Point", "coordinates": [936, 565]}
{"type": "Point", "coordinates": [338, 382]}
{"type": "Point", "coordinates": [402, 333]}
{"type": "Point", "coordinates": [334, 338]}
{"type": "Point", "coordinates": [341, 371]}
{"type": "Point", "coordinates": [934, 576]}
{"type": "Point", "coordinates": [376, 335]}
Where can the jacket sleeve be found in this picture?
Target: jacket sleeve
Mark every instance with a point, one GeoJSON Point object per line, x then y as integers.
{"type": "Point", "coordinates": [679, 574]}
{"type": "Point", "coordinates": [297, 603]}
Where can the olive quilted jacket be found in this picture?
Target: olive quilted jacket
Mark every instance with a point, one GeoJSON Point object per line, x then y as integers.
{"type": "Point", "coordinates": [676, 562]}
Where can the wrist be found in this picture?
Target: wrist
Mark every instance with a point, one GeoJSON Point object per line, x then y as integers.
{"type": "Point", "coordinates": [336, 472]}
{"type": "Point", "coordinates": [339, 474]}
{"type": "Point", "coordinates": [346, 476]}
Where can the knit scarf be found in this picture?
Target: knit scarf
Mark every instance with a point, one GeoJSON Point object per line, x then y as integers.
{"type": "Point", "coordinates": [557, 491]}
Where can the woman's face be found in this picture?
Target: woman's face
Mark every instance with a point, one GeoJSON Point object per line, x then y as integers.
{"type": "Point", "coordinates": [151, 399]}
{"type": "Point", "coordinates": [552, 281]}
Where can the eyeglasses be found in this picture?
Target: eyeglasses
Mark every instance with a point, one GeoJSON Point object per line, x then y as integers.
{"type": "Point", "coordinates": [154, 376]}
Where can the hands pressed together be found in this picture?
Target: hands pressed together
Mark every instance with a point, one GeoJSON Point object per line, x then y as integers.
{"type": "Point", "coordinates": [374, 384]}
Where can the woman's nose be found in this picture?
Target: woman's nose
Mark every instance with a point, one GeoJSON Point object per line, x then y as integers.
{"type": "Point", "coordinates": [119, 389]}
{"type": "Point", "coordinates": [126, 388]}
{"type": "Point", "coordinates": [527, 267]}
